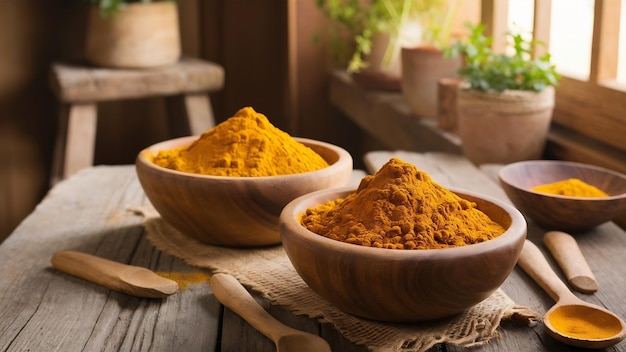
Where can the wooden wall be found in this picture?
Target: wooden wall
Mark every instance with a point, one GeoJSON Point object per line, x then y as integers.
{"type": "Point", "coordinates": [26, 122]}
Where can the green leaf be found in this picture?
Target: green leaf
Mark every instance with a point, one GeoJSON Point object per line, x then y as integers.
{"type": "Point", "coordinates": [486, 70]}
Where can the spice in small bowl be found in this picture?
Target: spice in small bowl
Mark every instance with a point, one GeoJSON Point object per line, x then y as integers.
{"type": "Point", "coordinates": [563, 195]}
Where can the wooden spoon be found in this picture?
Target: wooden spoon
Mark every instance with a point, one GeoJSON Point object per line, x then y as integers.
{"type": "Point", "coordinates": [234, 296]}
{"type": "Point", "coordinates": [130, 279]}
{"type": "Point", "coordinates": [536, 265]}
{"type": "Point", "coordinates": [567, 254]}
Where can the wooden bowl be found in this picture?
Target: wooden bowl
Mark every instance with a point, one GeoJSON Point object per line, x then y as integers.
{"type": "Point", "coordinates": [233, 211]}
{"type": "Point", "coordinates": [401, 286]}
{"type": "Point", "coordinates": [555, 212]}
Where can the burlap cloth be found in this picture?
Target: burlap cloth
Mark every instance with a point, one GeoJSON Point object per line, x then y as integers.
{"type": "Point", "coordinates": [269, 272]}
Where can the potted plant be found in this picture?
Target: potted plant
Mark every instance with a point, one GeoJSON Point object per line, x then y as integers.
{"type": "Point", "coordinates": [374, 27]}
{"type": "Point", "coordinates": [505, 104]}
{"type": "Point", "coordinates": [423, 63]}
{"type": "Point", "coordinates": [132, 33]}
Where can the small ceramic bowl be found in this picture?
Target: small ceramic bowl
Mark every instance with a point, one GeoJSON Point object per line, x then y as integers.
{"type": "Point", "coordinates": [555, 212]}
{"type": "Point", "coordinates": [402, 286]}
{"type": "Point", "coordinates": [233, 211]}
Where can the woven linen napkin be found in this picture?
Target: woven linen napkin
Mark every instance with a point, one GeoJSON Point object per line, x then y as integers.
{"type": "Point", "coordinates": [269, 272]}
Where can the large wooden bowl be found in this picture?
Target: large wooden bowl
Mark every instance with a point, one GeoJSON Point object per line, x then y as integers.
{"type": "Point", "coordinates": [554, 212]}
{"type": "Point", "coordinates": [233, 211]}
{"type": "Point", "coordinates": [401, 286]}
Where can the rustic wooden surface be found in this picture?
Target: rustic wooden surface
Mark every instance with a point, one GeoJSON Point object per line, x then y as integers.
{"type": "Point", "coordinates": [46, 310]}
{"type": "Point", "coordinates": [72, 83]}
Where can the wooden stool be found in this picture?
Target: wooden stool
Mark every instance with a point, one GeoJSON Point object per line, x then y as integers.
{"type": "Point", "coordinates": [184, 85]}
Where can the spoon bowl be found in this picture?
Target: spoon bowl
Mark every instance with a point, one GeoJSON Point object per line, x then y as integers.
{"type": "Point", "coordinates": [577, 317]}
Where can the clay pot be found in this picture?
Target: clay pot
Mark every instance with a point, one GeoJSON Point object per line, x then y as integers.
{"type": "Point", "coordinates": [422, 68]}
{"type": "Point", "coordinates": [141, 35]}
{"type": "Point", "coordinates": [378, 74]}
{"type": "Point", "coordinates": [503, 127]}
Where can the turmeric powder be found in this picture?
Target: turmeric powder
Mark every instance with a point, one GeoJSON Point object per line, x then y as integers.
{"type": "Point", "coordinates": [187, 278]}
{"type": "Point", "coordinates": [400, 207]}
{"type": "Point", "coordinates": [572, 187]}
{"type": "Point", "coordinates": [246, 145]}
{"type": "Point", "coordinates": [584, 322]}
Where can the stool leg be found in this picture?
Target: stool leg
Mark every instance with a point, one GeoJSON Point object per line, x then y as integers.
{"type": "Point", "coordinates": [75, 141]}
{"type": "Point", "coordinates": [190, 114]}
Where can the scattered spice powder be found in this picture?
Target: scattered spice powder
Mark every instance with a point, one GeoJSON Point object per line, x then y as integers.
{"type": "Point", "coordinates": [187, 278]}
{"type": "Point", "coordinates": [572, 187]}
{"type": "Point", "coordinates": [246, 145]}
{"type": "Point", "coordinates": [400, 207]}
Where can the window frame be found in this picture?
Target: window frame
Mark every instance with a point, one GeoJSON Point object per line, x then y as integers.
{"type": "Point", "coordinates": [592, 111]}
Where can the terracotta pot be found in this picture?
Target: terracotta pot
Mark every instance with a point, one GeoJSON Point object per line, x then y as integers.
{"type": "Point", "coordinates": [379, 74]}
{"type": "Point", "coordinates": [503, 127]}
{"type": "Point", "coordinates": [422, 68]}
{"type": "Point", "coordinates": [141, 35]}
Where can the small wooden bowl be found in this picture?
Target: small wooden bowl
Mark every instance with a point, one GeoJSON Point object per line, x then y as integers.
{"type": "Point", "coordinates": [555, 212]}
{"type": "Point", "coordinates": [233, 211]}
{"type": "Point", "coordinates": [401, 286]}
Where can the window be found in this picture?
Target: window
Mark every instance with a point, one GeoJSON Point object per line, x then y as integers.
{"type": "Point", "coordinates": [587, 40]}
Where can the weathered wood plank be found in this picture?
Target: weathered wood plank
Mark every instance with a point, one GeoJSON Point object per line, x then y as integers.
{"type": "Point", "coordinates": [46, 310]}
{"type": "Point", "coordinates": [92, 84]}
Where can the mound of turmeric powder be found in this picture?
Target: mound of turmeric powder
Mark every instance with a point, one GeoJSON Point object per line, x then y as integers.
{"type": "Point", "coordinates": [571, 187]}
{"type": "Point", "coordinates": [246, 144]}
{"type": "Point", "coordinates": [400, 207]}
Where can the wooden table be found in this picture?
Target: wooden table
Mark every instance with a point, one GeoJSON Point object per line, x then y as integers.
{"type": "Point", "coordinates": [42, 309]}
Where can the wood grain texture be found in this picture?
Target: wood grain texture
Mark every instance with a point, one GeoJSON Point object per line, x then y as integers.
{"type": "Point", "coordinates": [46, 310]}
{"type": "Point", "coordinates": [72, 83]}
{"type": "Point", "coordinates": [233, 211]}
{"type": "Point", "coordinates": [425, 284]}
{"type": "Point", "coordinates": [560, 212]}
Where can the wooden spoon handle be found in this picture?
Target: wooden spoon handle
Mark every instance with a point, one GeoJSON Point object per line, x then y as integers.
{"type": "Point", "coordinates": [233, 295]}
{"type": "Point", "coordinates": [95, 269]}
{"type": "Point", "coordinates": [130, 279]}
{"type": "Point", "coordinates": [567, 254]}
{"type": "Point", "coordinates": [535, 264]}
